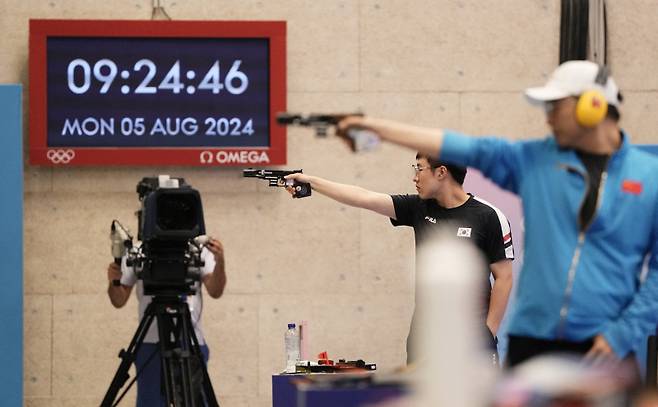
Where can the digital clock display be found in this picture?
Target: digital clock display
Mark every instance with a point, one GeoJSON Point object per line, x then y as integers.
{"type": "Point", "coordinates": [169, 91]}
{"type": "Point", "coordinates": [201, 89]}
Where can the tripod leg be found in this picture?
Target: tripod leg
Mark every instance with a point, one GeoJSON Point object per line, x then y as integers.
{"type": "Point", "coordinates": [166, 330]}
{"type": "Point", "coordinates": [208, 391]}
{"type": "Point", "coordinates": [181, 357]}
{"type": "Point", "coordinates": [127, 359]}
{"type": "Point", "coordinates": [190, 362]}
{"type": "Point", "coordinates": [173, 327]}
{"type": "Point", "coordinates": [186, 358]}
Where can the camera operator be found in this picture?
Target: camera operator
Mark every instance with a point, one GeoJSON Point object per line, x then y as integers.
{"type": "Point", "coordinates": [213, 275]}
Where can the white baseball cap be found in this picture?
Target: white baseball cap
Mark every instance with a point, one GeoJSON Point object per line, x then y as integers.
{"type": "Point", "coordinates": [572, 78]}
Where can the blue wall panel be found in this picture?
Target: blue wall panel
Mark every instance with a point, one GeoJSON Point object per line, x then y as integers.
{"type": "Point", "coordinates": [11, 244]}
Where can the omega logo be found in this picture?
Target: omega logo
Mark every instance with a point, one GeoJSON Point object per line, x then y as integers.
{"type": "Point", "coordinates": [234, 157]}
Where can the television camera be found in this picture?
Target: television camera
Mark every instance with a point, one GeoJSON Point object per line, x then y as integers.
{"type": "Point", "coordinates": [277, 178]}
{"type": "Point", "coordinates": [359, 139]}
{"type": "Point", "coordinates": [172, 232]}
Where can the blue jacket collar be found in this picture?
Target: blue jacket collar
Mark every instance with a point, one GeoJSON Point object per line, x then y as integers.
{"type": "Point", "coordinates": [570, 155]}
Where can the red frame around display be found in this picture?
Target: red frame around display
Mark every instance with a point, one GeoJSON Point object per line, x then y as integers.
{"type": "Point", "coordinates": [41, 154]}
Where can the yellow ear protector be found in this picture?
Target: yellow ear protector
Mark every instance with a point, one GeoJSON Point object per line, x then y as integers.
{"type": "Point", "coordinates": [592, 106]}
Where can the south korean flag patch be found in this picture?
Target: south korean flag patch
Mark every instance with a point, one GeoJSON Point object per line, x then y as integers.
{"type": "Point", "coordinates": [464, 232]}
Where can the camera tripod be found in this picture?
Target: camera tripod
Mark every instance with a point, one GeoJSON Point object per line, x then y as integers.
{"type": "Point", "coordinates": [184, 375]}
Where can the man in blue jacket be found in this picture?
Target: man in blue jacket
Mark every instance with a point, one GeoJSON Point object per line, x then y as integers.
{"type": "Point", "coordinates": [591, 216]}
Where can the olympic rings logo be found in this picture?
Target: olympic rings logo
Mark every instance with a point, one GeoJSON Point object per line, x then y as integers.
{"type": "Point", "coordinates": [60, 156]}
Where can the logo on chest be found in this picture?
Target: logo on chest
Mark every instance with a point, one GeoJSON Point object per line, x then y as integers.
{"type": "Point", "coordinates": [430, 219]}
{"type": "Point", "coordinates": [464, 232]}
{"type": "Point", "coordinates": [631, 187]}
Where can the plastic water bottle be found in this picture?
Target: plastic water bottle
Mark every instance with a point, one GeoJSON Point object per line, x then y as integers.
{"type": "Point", "coordinates": [292, 348]}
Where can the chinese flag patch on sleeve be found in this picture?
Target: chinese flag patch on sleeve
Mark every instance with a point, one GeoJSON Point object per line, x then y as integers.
{"type": "Point", "coordinates": [631, 187]}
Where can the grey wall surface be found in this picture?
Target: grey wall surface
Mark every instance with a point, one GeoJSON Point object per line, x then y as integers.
{"type": "Point", "coordinates": [449, 63]}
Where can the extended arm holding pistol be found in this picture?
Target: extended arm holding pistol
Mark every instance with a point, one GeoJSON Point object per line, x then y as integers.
{"type": "Point", "coordinates": [276, 178]}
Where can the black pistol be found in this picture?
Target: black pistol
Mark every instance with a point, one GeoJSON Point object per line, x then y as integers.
{"type": "Point", "coordinates": [319, 122]}
{"type": "Point", "coordinates": [276, 178]}
{"type": "Point", "coordinates": [359, 139]}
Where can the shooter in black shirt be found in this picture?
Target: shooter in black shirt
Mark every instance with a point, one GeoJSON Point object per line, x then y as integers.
{"type": "Point", "coordinates": [441, 201]}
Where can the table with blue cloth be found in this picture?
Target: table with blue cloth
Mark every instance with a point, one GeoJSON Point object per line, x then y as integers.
{"type": "Point", "coordinates": [332, 389]}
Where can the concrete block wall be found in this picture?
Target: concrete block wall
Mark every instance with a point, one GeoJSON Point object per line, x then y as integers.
{"type": "Point", "coordinates": [451, 63]}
